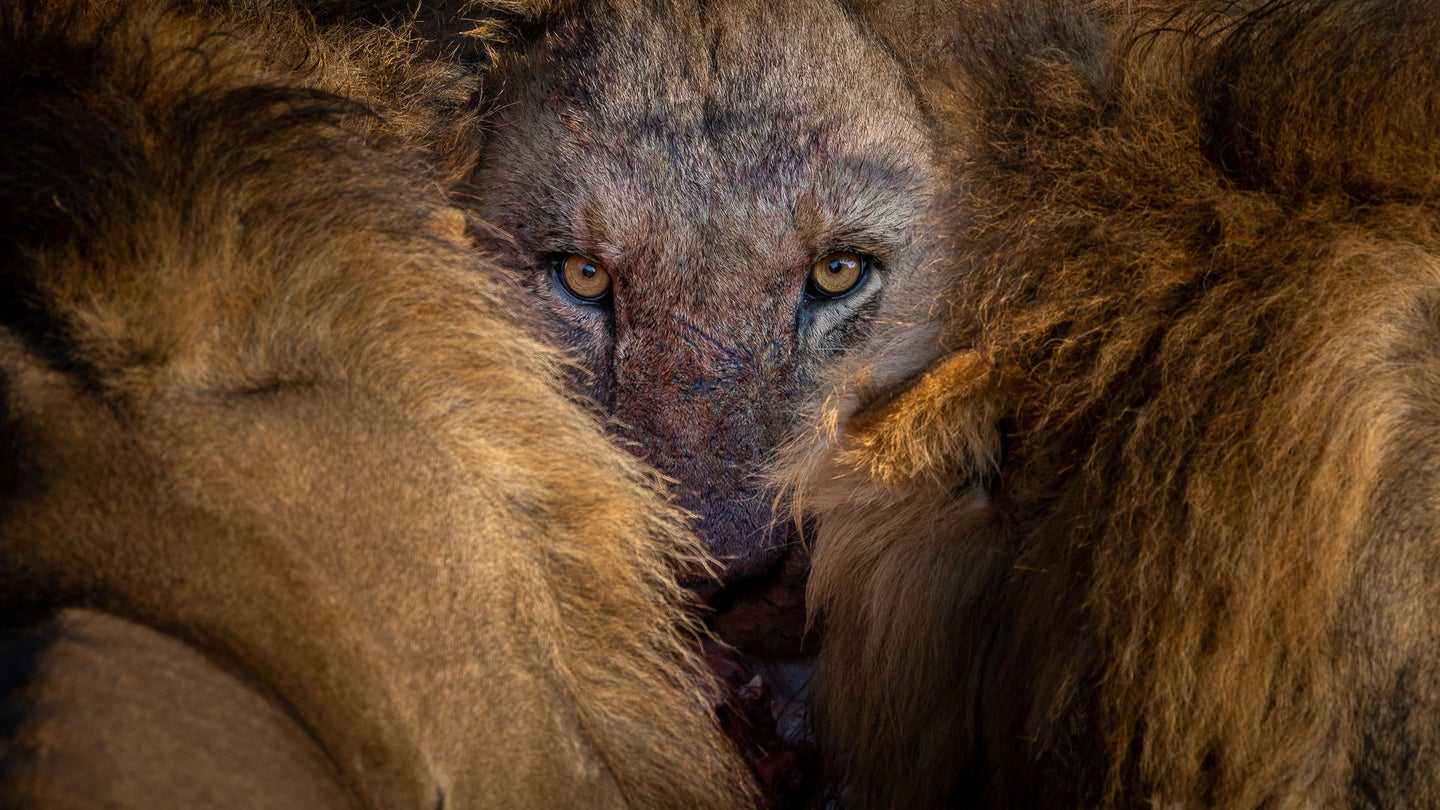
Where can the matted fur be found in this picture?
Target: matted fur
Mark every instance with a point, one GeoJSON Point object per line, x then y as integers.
{"type": "Point", "coordinates": [1172, 538]}
{"type": "Point", "coordinates": [259, 395]}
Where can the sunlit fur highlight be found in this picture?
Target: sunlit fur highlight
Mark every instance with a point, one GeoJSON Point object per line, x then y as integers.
{"type": "Point", "coordinates": [237, 304]}
{"type": "Point", "coordinates": [1193, 294]}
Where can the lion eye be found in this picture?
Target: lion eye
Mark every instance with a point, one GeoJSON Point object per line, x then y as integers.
{"type": "Point", "coordinates": [583, 277]}
{"type": "Point", "coordinates": [837, 274]}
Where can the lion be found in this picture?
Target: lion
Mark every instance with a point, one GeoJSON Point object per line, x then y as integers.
{"type": "Point", "coordinates": [710, 203]}
{"type": "Point", "coordinates": [705, 231]}
{"type": "Point", "coordinates": [1156, 525]}
{"type": "Point", "coordinates": [296, 508]}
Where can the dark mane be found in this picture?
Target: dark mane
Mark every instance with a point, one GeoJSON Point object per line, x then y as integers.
{"type": "Point", "coordinates": [289, 479]}
{"type": "Point", "coordinates": [1193, 264]}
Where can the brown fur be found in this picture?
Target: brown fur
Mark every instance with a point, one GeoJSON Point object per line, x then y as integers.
{"type": "Point", "coordinates": [271, 431]}
{"type": "Point", "coordinates": [707, 154]}
{"type": "Point", "coordinates": [1160, 529]}
{"type": "Point", "coordinates": [119, 698]}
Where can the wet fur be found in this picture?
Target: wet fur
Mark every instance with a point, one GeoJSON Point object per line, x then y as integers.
{"type": "Point", "coordinates": [1160, 527]}
{"type": "Point", "coordinates": [272, 432]}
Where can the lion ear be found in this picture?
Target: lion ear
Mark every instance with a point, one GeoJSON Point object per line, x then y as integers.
{"type": "Point", "coordinates": [941, 425]}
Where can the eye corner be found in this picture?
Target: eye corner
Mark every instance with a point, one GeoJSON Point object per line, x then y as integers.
{"type": "Point", "coordinates": [580, 277]}
{"type": "Point", "coordinates": [838, 274]}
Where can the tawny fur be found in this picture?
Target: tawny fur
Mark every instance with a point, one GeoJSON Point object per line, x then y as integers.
{"type": "Point", "coordinates": [707, 155]}
{"type": "Point", "coordinates": [1174, 538]}
{"type": "Point", "coordinates": [260, 396]}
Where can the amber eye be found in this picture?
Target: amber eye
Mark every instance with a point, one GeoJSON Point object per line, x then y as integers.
{"type": "Point", "coordinates": [582, 277]}
{"type": "Point", "coordinates": [837, 274]}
